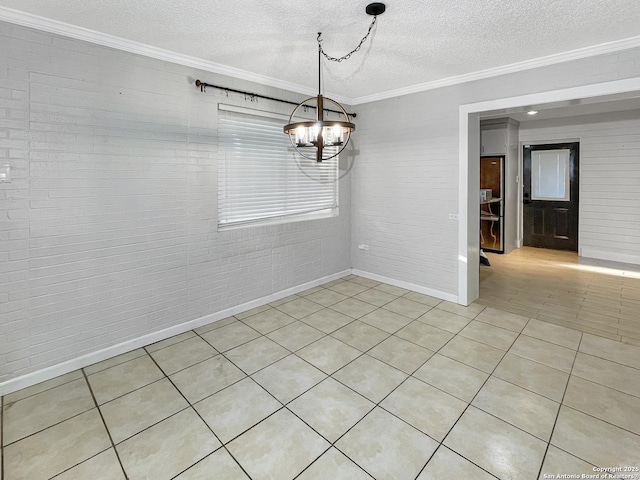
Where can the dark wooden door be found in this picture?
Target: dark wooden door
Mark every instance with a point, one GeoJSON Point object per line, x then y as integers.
{"type": "Point", "coordinates": [550, 196]}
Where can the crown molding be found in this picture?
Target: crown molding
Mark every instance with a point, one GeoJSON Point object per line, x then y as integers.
{"type": "Point", "coordinates": [72, 31]}
{"type": "Point", "coordinates": [118, 43]}
{"type": "Point", "coordinates": [580, 53]}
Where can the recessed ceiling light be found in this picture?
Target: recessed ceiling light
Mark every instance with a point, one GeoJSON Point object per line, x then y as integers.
{"type": "Point", "coordinates": [532, 112]}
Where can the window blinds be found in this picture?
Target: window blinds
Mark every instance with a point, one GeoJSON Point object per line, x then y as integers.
{"type": "Point", "coordinates": [261, 178]}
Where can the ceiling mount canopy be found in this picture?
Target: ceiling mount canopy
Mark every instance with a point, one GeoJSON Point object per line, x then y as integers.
{"type": "Point", "coordinates": [375, 8]}
{"type": "Point", "coordinates": [322, 139]}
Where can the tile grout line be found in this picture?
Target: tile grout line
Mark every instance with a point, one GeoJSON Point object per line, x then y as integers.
{"type": "Point", "coordinates": [525, 388]}
{"type": "Point", "coordinates": [285, 406]}
{"type": "Point", "coordinates": [331, 444]}
{"type": "Point", "coordinates": [190, 406]}
{"type": "Point", "coordinates": [571, 454]}
{"type": "Point", "coordinates": [124, 394]}
{"type": "Point", "coordinates": [378, 307]}
{"type": "Point", "coordinates": [72, 416]}
{"type": "Point", "coordinates": [382, 361]}
{"type": "Point", "coordinates": [601, 420]}
{"type": "Point", "coordinates": [609, 360]}
{"type": "Point", "coordinates": [535, 361]}
{"type": "Point", "coordinates": [50, 426]}
{"type": "Point", "coordinates": [153, 425]}
{"type": "Point", "coordinates": [605, 386]}
{"type": "Point", "coordinates": [113, 445]}
{"type": "Point", "coordinates": [38, 393]}
{"type": "Point", "coordinates": [111, 366]}
{"type": "Point", "coordinates": [566, 387]}
{"type": "Point", "coordinates": [377, 404]}
{"type": "Point", "coordinates": [136, 390]}
{"type": "Point", "coordinates": [441, 443]}
{"type": "Point", "coordinates": [170, 345]}
{"type": "Point", "coordinates": [323, 453]}
{"type": "Point", "coordinates": [598, 383]}
{"type": "Point", "coordinates": [223, 353]}
{"type": "Point", "coordinates": [293, 352]}
{"type": "Point", "coordinates": [57, 475]}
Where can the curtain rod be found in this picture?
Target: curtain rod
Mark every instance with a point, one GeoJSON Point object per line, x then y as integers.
{"type": "Point", "coordinates": [204, 85]}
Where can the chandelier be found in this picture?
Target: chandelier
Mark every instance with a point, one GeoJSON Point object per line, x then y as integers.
{"type": "Point", "coordinates": [322, 138]}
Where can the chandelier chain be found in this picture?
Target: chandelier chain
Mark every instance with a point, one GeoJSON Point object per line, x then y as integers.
{"type": "Point", "coordinates": [348, 55]}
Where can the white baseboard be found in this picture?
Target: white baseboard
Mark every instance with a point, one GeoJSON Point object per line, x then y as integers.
{"type": "Point", "coordinates": [409, 286]}
{"type": "Point", "coordinates": [610, 256]}
{"type": "Point", "coordinates": [53, 371]}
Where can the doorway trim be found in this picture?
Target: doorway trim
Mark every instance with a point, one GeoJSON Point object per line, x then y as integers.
{"type": "Point", "coordinates": [469, 168]}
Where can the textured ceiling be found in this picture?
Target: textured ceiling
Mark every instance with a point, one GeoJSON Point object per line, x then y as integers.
{"type": "Point", "coordinates": [414, 42]}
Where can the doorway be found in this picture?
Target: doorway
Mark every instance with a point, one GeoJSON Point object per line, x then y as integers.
{"type": "Point", "coordinates": [550, 193]}
{"type": "Point", "coordinates": [469, 171]}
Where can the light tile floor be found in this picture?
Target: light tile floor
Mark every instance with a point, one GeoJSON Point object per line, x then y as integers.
{"type": "Point", "coordinates": [593, 296]}
{"type": "Point", "coordinates": [352, 380]}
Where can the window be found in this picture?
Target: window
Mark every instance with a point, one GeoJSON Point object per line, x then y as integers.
{"type": "Point", "coordinates": [262, 180]}
{"type": "Point", "coordinates": [550, 175]}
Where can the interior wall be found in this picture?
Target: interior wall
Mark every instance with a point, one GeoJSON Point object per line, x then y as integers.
{"type": "Point", "coordinates": [609, 218]}
{"type": "Point", "coordinates": [404, 187]}
{"type": "Point", "coordinates": [108, 230]}
{"type": "Point", "coordinates": [407, 187]}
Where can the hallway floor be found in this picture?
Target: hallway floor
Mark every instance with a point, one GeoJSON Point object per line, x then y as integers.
{"type": "Point", "coordinates": [598, 297]}
{"type": "Point", "coordinates": [351, 380]}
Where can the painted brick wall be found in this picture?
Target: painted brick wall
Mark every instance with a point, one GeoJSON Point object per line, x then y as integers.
{"type": "Point", "coordinates": [609, 220]}
{"type": "Point", "coordinates": [406, 181]}
{"type": "Point", "coordinates": [108, 230]}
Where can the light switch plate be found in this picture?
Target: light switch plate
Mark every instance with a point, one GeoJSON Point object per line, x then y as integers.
{"type": "Point", "coordinates": [5, 173]}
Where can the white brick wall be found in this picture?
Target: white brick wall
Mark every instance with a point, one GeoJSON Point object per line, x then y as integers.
{"type": "Point", "coordinates": [108, 230]}
{"type": "Point", "coordinates": [609, 220]}
{"type": "Point", "coordinates": [14, 223]}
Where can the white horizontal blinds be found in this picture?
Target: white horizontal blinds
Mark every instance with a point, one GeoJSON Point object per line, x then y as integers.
{"type": "Point", "coordinates": [263, 180]}
{"type": "Point", "coordinates": [550, 175]}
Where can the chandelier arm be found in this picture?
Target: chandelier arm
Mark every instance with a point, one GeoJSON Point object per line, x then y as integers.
{"type": "Point", "coordinates": [348, 55]}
